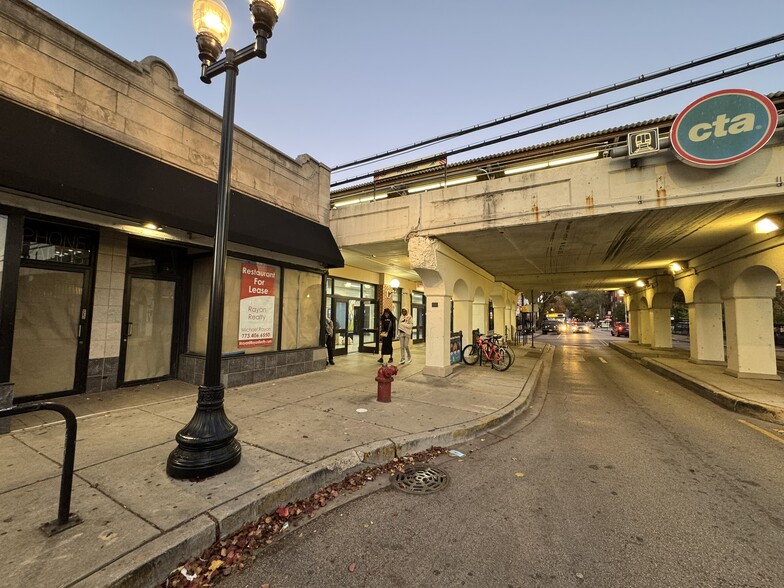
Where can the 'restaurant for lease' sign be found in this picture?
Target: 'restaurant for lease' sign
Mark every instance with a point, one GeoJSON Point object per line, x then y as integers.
{"type": "Point", "coordinates": [257, 305]}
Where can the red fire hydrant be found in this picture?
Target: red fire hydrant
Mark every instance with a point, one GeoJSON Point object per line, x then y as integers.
{"type": "Point", "coordinates": [384, 379]}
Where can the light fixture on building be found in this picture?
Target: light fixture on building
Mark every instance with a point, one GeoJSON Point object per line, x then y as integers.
{"type": "Point", "coordinates": [447, 184]}
{"type": "Point", "coordinates": [640, 284]}
{"type": "Point", "coordinates": [679, 266]}
{"type": "Point", "coordinates": [552, 163]}
{"type": "Point", "coordinates": [207, 445]}
{"type": "Point", "coordinates": [621, 293]}
{"type": "Point", "coordinates": [395, 283]}
{"type": "Point", "coordinates": [368, 198]}
{"type": "Point", "coordinates": [767, 224]}
{"type": "Point", "coordinates": [152, 226]}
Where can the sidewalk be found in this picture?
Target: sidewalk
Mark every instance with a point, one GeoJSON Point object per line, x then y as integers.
{"type": "Point", "coordinates": [762, 399]}
{"type": "Point", "coordinates": [297, 434]}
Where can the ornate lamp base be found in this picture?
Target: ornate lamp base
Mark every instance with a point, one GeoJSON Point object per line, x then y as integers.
{"type": "Point", "coordinates": [207, 444]}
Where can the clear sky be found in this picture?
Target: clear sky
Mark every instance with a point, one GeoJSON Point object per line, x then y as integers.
{"type": "Point", "coordinates": [346, 79]}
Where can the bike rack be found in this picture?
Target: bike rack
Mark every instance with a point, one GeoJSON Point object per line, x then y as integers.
{"type": "Point", "coordinates": [65, 518]}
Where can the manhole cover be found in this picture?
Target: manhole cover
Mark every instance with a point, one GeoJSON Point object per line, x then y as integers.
{"type": "Point", "coordinates": [420, 479]}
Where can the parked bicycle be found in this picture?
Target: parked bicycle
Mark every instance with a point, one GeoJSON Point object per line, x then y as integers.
{"type": "Point", "coordinates": [488, 350]}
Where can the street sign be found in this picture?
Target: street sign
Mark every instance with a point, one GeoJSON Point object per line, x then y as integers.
{"type": "Point", "coordinates": [723, 128]}
{"type": "Point", "coordinates": [642, 143]}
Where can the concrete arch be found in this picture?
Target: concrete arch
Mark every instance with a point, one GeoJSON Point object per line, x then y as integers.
{"type": "Point", "coordinates": [706, 292]}
{"type": "Point", "coordinates": [754, 282]}
{"type": "Point", "coordinates": [460, 290]}
{"type": "Point", "coordinates": [446, 274]}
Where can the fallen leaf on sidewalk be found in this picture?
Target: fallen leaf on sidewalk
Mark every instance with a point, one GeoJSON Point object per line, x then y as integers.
{"type": "Point", "coordinates": [519, 474]}
{"type": "Point", "coordinates": [352, 567]}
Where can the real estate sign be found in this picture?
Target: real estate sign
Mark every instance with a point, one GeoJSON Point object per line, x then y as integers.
{"type": "Point", "coordinates": [257, 305]}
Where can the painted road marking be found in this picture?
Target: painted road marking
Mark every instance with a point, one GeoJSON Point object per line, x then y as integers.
{"type": "Point", "coordinates": [761, 430]}
{"type": "Point", "coordinates": [602, 360]}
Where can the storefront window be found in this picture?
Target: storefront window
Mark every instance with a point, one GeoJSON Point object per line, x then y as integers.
{"type": "Point", "coordinates": [250, 311]}
{"type": "Point", "coordinates": [347, 288]}
{"type": "Point", "coordinates": [301, 310]}
{"type": "Point", "coordinates": [396, 295]}
{"type": "Point", "coordinates": [55, 243]}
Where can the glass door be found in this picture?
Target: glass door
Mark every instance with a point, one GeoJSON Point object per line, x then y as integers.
{"type": "Point", "coordinates": [147, 336]}
{"type": "Point", "coordinates": [340, 326]}
{"type": "Point", "coordinates": [369, 333]}
{"type": "Point", "coordinates": [50, 332]}
{"type": "Point", "coordinates": [418, 305]}
{"type": "Point", "coordinates": [354, 325]}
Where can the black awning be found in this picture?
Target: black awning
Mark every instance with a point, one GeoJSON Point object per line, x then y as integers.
{"type": "Point", "coordinates": [41, 155]}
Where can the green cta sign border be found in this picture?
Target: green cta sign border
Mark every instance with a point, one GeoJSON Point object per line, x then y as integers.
{"type": "Point", "coordinates": [723, 128]}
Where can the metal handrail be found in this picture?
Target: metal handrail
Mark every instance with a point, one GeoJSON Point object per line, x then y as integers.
{"type": "Point", "coordinates": [65, 518]}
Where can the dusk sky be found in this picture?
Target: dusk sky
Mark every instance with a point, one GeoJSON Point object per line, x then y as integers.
{"type": "Point", "coordinates": [349, 79]}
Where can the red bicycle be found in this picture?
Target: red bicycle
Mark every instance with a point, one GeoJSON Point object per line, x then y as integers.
{"type": "Point", "coordinates": [488, 350]}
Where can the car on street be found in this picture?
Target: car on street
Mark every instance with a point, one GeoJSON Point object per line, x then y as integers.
{"type": "Point", "coordinates": [580, 328]}
{"type": "Point", "coordinates": [620, 330]}
{"type": "Point", "coordinates": [551, 327]}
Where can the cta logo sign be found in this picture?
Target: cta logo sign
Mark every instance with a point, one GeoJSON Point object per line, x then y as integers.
{"type": "Point", "coordinates": [723, 127]}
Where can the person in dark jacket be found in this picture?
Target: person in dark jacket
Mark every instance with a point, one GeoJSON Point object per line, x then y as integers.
{"type": "Point", "coordinates": [329, 329]}
{"type": "Point", "coordinates": [387, 325]}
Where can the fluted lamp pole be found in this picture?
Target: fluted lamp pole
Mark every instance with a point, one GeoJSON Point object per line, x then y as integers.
{"type": "Point", "coordinates": [207, 445]}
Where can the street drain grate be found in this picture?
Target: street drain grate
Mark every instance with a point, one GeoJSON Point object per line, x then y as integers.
{"type": "Point", "coordinates": [420, 479]}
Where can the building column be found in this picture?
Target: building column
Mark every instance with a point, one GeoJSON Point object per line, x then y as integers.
{"type": "Point", "coordinates": [661, 326]}
{"type": "Point", "coordinates": [706, 337]}
{"type": "Point", "coordinates": [500, 313]}
{"type": "Point", "coordinates": [437, 360]}
{"type": "Point", "coordinates": [634, 326]}
{"type": "Point", "coordinates": [645, 326]}
{"type": "Point", "coordinates": [479, 317]}
{"type": "Point", "coordinates": [462, 319]}
{"type": "Point", "coordinates": [751, 351]}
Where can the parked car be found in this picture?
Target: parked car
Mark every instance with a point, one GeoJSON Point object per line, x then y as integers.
{"type": "Point", "coordinates": [580, 328]}
{"type": "Point", "coordinates": [620, 330]}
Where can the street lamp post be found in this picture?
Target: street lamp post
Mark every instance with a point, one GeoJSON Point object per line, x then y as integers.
{"type": "Point", "coordinates": [207, 445]}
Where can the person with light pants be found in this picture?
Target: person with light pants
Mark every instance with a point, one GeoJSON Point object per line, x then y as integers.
{"type": "Point", "coordinates": [404, 327]}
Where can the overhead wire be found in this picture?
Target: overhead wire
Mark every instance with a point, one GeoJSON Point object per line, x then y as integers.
{"type": "Point", "coordinates": [749, 66]}
{"type": "Point", "coordinates": [566, 101]}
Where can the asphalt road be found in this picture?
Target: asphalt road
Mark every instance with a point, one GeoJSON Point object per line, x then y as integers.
{"type": "Point", "coordinates": [615, 477]}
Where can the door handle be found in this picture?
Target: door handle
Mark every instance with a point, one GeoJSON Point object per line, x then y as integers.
{"type": "Point", "coordinates": [129, 331]}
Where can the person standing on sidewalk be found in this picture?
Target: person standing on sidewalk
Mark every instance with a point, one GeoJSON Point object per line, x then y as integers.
{"type": "Point", "coordinates": [387, 330]}
{"type": "Point", "coordinates": [329, 328]}
{"type": "Point", "coordinates": [404, 328]}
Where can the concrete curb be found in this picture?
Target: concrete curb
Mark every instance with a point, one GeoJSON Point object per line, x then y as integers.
{"type": "Point", "coordinates": [734, 403]}
{"type": "Point", "coordinates": [151, 563]}
{"type": "Point", "coordinates": [472, 429]}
